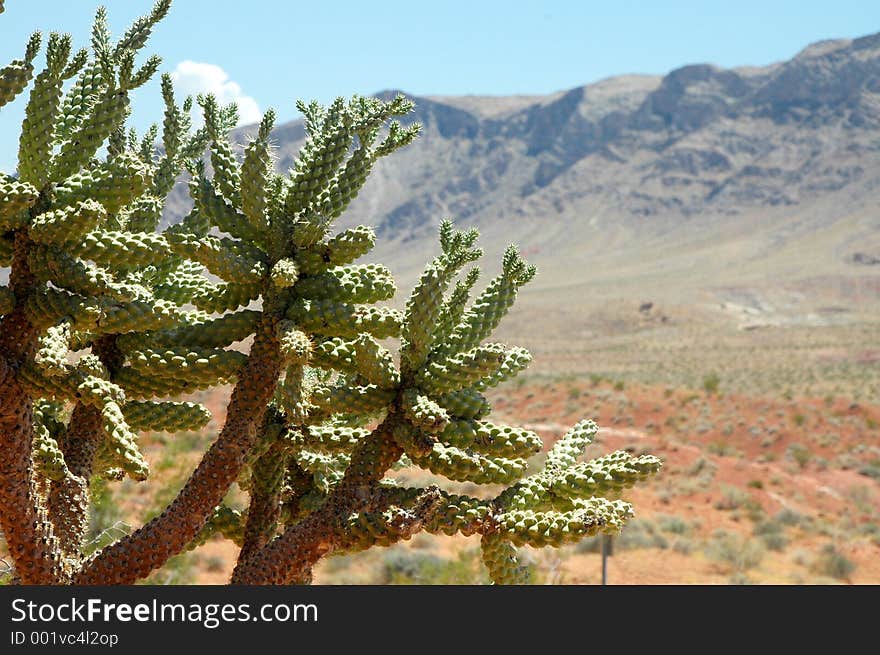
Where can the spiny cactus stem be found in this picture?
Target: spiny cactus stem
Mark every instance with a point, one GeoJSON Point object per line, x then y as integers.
{"type": "Point", "coordinates": [69, 498]}
{"type": "Point", "coordinates": [265, 506]}
{"type": "Point", "coordinates": [292, 555]}
{"type": "Point", "coordinates": [23, 517]}
{"type": "Point", "coordinates": [148, 548]}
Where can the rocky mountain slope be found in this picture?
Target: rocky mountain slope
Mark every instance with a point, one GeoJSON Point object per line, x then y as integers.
{"type": "Point", "coordinates": [702, 176]}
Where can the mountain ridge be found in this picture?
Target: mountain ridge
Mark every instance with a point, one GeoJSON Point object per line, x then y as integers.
{"type": "Point", "coordinates": [610, 172]}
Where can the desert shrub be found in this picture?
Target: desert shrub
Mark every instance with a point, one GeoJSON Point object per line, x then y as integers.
{"type": "Point", "coordinates": [711, 383]}
{"type": "Point", "coordinates": [672, 524]}
{"type": "Point", "coordinates": [734, 551]}
{"type": "Point", "coordinates": [800, 454]}
{"type": "Point", "coordinates": [683, 546]}
{"type": "Point", "coordinates": [787, 516]}
{"type": "Point", "coordinates": [404, 566]}
{"type": "Point", "coordinates": [772, 534]}
{"type": "Point", "coordinates": [832, 563]}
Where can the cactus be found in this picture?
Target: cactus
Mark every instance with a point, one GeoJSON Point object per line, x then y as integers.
{"type": "Point", "coordinates": [98, 336]}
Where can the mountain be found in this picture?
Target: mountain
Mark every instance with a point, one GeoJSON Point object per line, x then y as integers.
{"type": "Point", "coordinates": [698, 182]}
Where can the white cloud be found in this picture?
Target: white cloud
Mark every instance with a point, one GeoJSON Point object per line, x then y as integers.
{"type": "Point", "coordinates": [193, 77]}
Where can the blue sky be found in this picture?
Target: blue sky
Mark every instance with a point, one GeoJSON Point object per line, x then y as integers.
{"type": "Point", "coordinates": [267, 53]}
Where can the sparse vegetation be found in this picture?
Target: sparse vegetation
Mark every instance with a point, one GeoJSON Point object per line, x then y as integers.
{"type": "Point", "coordinates": [833, 563]}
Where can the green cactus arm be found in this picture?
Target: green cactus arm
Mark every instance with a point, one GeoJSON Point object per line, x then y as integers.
{"type": "Point", "coordinates": [345, 398]}
{"type": "Point", "coordinates": [226, 174]}
{"type": "Point", "coordinates": [227, 296]}
{"type": "Point", "coordinates": [221, 257]}
{"type": "Point", "coordinates": [363, 356]}
{"type": "Point", "coordinates": [222, 213]}
{"type": "Point", "coordinates": [465, 404]}
{"type": "Point", "coordinates": [490, 439]}
{"type": "Point", "coordinates": [227, 177]}
{"type": "Point", "coordinates": [225, 521]}
{"type": "Point", "coordinates": [454, 306]}
{"type": "Point", "coordinates": [144, 74]}
{"type": "Point", "coordinates": [502, 563]}
{"type": "Point", "coordinates": [15, 198]}
{"type": "Point", "coordinates": [49, 306]}
{"type": "Point", "coordinates": [319, 158]}
{"type": "Point", "coordinates": [75, 65]}
{"type": "Point", "coordinates": [462, 369]}
{"type": "Point", "coordinates": [69, 224]}
{"type": "Point", "coordinates": [492, 305]}
{"type": "Point", "coordinates": [100, 119]}
{"type": "Point", "coordinates": [366, 283]}
{"type": "Point", "coordinates": [78, 101]}
{"type": "Point", "coordinates": [114, 183]}
{"type": "Point", "coordinates": [342, 249]}
{"type": "Point", "coordinates": [48, 458]}
{"type": "Point", "coordinates": [212, 333]}
{"type": "Point", "coordinates": [143, 214]}
{"type": "Point", "coordinates": [38, 128]}
{"type": "Point", "coordinates": [123, 442]}
{"type": "Point", "coordinates": [181, 288]}
{"type": "Point", "coordinates": [54, 264]}
{"type": "Point", "coordinates": [51, 356]}
{"type": "Point", "coordinates": [256, 170]}
{"type": "Point", "coordinates": [515, 361]}
{"type": "Point", "coordinates": [202, 366]}
{"type": "Point", "coordinates": [308, 229]}
{"type": "Point", "coordinates": [174, 126]}
{"type": "Point", "coordinates": [165, 416]}
{"type": "Point", "coordinates": [383, 528]}
{"type": "Point", "coordinates": [136, 316]}
{"type": "Point", "coordinates": [612, 472]}
{"type": "Point", "coordinates": [539, 529]}
{"type": "Point", "coordinates": [78, 384]}
{"type": "Point", "coordinates": [423, 413]}
{"type": "Point", "coordinates": [296, 346]}
{"type": "Point", "coordinates": [39, 384]}
{"type": "Point", "coordinates": [344, 187]}
{"type": "Point", "coordinates": [567, 450]}
{"type": "Point", "coordinates": [95, 390]}
{"type": "Point", "coordinates": [470, 466]}
{"type": "Point", "coordinates": [425, 303]}
{"type": "Point", "coordinates": [293, 391]}
{"type": "Point", "coordinates": [329, 439]}
{"type": "Point", "coordinates": [121, 250]}
{"type": "Point", "coordinates": [135, 37]}
{"type": "Point", "coordinates": [332, 319]}
{"type": "Point", "coordinates": [15, 76]}
{"type": "Point", "coordinates": [140, 386]}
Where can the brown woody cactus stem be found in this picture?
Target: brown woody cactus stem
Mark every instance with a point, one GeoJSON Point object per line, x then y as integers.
{"type": "Point", "coordinates": [148, 548]}
{"type": "Point", "coordinates": [23, 518]}
{"type": "Point", "coordinates": [291, 556]}
{"type": "Point", "coordinates": [265, 506]}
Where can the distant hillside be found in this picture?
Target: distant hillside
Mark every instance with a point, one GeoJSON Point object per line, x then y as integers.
{"type": "Point", "coordinates": [637, 181]}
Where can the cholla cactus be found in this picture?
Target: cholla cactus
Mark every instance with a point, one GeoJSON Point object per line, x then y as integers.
{"type": "Point", "coordinates": [98, 336]}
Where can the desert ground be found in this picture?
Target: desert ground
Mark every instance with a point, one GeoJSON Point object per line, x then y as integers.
{"type": "Point", "coordinates": [770, 438]}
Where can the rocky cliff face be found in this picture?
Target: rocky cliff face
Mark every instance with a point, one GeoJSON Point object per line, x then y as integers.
{"type": "Point", "coordinates": [700, 141]}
